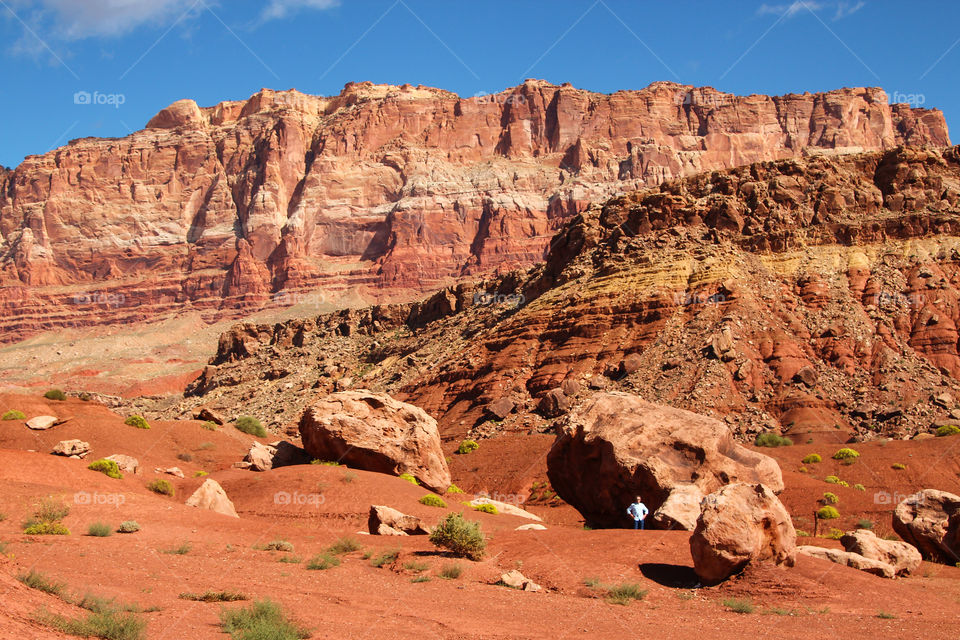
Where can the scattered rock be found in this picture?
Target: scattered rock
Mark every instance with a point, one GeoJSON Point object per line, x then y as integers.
{"type": "Point", "coordinates": [631, 364]}
{"type": "Point", "coordinates": [930, 521]}
{"type": "Point", "coordinates": [242, 464]}
{"type": "Point", "coordinates": [173, 471]}
{"type": "Point", "coordinates": [211, 496]}
{"type": "Point", "coordinates": [505, 507]}
{"type": "Point", "coordinates": [516, 580]}
{"type": "Point", "coordinates": [208, 414]}
{"type": "Point", "coordinates": [71, 448]}
{"type": "Point", "coordinates": [396, 523]}
{"type": "Point", "coordinates": [680, 510]}
{"type": "Point", "coordinates": [740, 524]}
{"type": "Point", "coordinates": [570, 387]}
{"type": "Point", "coordinates": [849, 559]}
{"type": "Point", "coordinates": [533, 526]}
{"type": "Point", "coordinates": [554, 403]}
{"type": "Point", "coordinates": [500, 409]}
{"type": "Point", "coordinates": [375, 432]}
{"type": "Point", "coordinates": [264, 457]}
{"type": "Point", "coordinates": [616, 446]}
{"type": "Point", "coordinates": [903, 557]}
{"type": "Point", "coordinates": [126, 464]}
{"type": "Point", "coordinates": [806, 376]}
{"type": "Point", "coordinates": [41, 423]}
{"type": "Point", "coordinates": [260, 457]}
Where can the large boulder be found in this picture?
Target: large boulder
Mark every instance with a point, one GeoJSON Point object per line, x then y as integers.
{"type": "Point", "coordinates": [849, 559]}
{"type": "Point", "coordinates": [680, 510]}
{"type": "Point", "coordinates": [616, 446]}
{"type": "Point", "coordinates": [211, 496]}
{"type": "Point", "coordinates": [903, 557]}
{"type": "Point", "coordinates": [264, 457]}
{"type": "Point", "coordinates": [930, 521]}
{"type": "Point", "coordinates": [741, 524]}
{"type": "Point", "coordinates": [387, 521]}
{"type": "Point", "coordinates": [42, 423]}
{"type": "Point", "coordinates": [375, 432]}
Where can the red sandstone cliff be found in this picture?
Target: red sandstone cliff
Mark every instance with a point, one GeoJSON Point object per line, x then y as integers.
{"type": "Point", "coordinates": [381, 191]}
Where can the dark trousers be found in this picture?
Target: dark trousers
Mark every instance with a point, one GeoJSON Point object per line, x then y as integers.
{"type": "Point", "coordinates": [638, 524]}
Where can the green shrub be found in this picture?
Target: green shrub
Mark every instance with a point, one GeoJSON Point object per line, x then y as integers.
{"type": "Point", "coordinates": [432, 500]}
{"type": "Point", "coordinates": [99, 604]}
{"type": "Point", "coordinates": [325, 463]}
{"type": "Point", "coordinates": [263, 620]}
{"type": "Point", "coordinates": [276, 545]}
{"type": "Point", "coordinates": [886, 616]}
{"type": "Point", "coordinates": [290, 559]}
{"type": "Point", "coordinates": [51, 510]}
{"type": "Point", "coordinates": [100, 530]}
{"type": "Point", "coordinates": [130, 526]}
{"type": "Point", "coordinates": [180, 550]}
{"type": "Point", "coordinates": [46, 529]}
{"type": "Point", "coordinates": [832, 479]}
{"type": "Point", "coordinates": [827, 513]}
{"type": "Point", "coordinates": [859, 487]}
{"type": "Point", "coordinates": [830, 498]}
{"type": "Point", "coordinates": [467, 446]}
{"type": "Point", "coordinates": [898, 466]}
{"type": "Point", "coordinates": [772, 440]}
{"type": "Point", "coordinates": [344, 545]}
{"type": "Point", "coordinates": [13, 414]}
{"type": "Point", "coordinates": [251, 426]}
{"type": "Point", "coordinates": [200, 474]}
{"type": "Point", "coordinates": [463, 537]}
{"type": "Point", "coordinates": [213, 596]}
{"type": "Point", "coordinates": [55, 394]}
{"type": "Point", "coordinates": [738, 605]}
{"type": "Point", "coordinates": [624, 593]}
{"type": "Point", "coordinates": [137, 421]}
{"type": "Point", "coordinates": [451, 571]}
{"type": "Point", "coordinates": [323, 561]}
{"type": "Point", "coordinates": [833, 534]}
{"type": "Point", "coordinates": [811, 458]}
{"type": "Point", "coordinates": [387, 557]}
{"type": "Point", "coordinates": [846, 454]}
{"type": "Point", "coordinates": [107, 467]}
{"type": "Point", "coordinates": [420, 578]}
{"type": "Point", "coordinates": [110, 625]}
{"type": "Point", "coordinates": [486, 508]}
{"type": "Point", "coordinates": [864, 524]}
{"type": "Point", "coordinates": [209, 425]}
{"type": "Point", "coordinates": [802, 534]}
{"type": "Point", "coordinates": [162, 487]}
{"type": "Point", "coordinates": [409, 478]}
{"type": "Point", "coordinates": [945, 430]}
{"type": "Point", "coordinates": [416, 566]}
{"type": "Point", "coordinates": [454, 489]}
{"type": "Point", "coordinates": [40, 582]}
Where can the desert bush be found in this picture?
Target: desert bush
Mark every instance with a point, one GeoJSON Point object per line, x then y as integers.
{"type": "Point", "coordinates": [486, 508]}
{"type": "Point", "coordinates": [186, 457]}
{"type": "Point", "coordinates": [811, 458]}
{"type": "Point", "coordinates": [100, 530]}
{"type": "Point", "coordinates": [209, 425]}
{"type": "Point", "coordinates": [110, 625]}
{"type": "Point", "coordinates": [832, 479]}
{"type": "Point", "coordinates": [344, 545]}
{"type": "Point", "coordinates": [13, 414]}
{"type": "Point", "coordinates": [290, 559]}
{"type": "Point", "coordinates": [945, 430]}
{"type": "Point", "coordinates": [387, 557]}
{"type": "Point", "coordinates": [129, 526]}
{"type": "Point", "coordinates": [624, 593]}
{"type": "Point", "coordinates": [454, 489]}
{"type": "Point", "coordinates": [213, 596]}
{"type": "Point", "coordinates": [51, 510]}
{"type": "Point", "coordinates": [463, 537]}
{"type": "Point", "coordinates": [55, 394]}
{"type": "Point", "coordinates": [416, 566]}
{"type": "Point", "coordinates": [161, 486]}
{"type": "Point", "coordinates": [325, 463]}
{"type": "Point", "coordinates": [859, 487]}
{"type": "Point", "coordinates": [802, 534]}
{"type": "Point", "coordinates": [420, 578]}
{"type": "Point", "coordinates": [46, 529]}
{"type": "Point", "coordinates": [323, 561]}
{"type": "Point", "coordinates": [772, 440]}
{"type": "Point", "coordinates": [830, 498]}
{"type": "Point", "coordinates": [137, 421]}
{"type": "Point", "coordinates": [451, 571]}
{"type": "Point", "coordinates": [100, 604]}
{"type": "Point", "coordinates": [846, 454]}
{"type": "Point", "coordinates": [107, 467]}
{"type": "Point", "coordinates": [467, 446]}
{"type": "Point", "coordinates": [864, 524]}
{"type": "Point", "coordinates": [40, 582]}
{"type": "Point", "coordinates": [200, 474]}
{"type": "Point", "coordinates": [432, 500]}
{"type": "Point", "coordinates": [738, 605]}
{"type": "Point", "coordinates": [409, 478]}
{"type": "Point", "coordinates": [275, 545]}
{"type": "Point", "coordinates": [180, 550]}
{"type": "Point", "coordinates": [251, 426]}
{"type": "Point", "coordinates": [885, 616]}
{"type": "Point", "coordinates": [833, 534]}
{"type": "Point", "coordinates": [898, 466]}
{"type": "Point", "coordinates": [827, 513]}
{"type": "Point", "coordinates": [263, 620]}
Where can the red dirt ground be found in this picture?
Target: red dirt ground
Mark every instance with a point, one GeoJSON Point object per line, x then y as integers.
{"type": "Point", "coordinates": [815, 599]}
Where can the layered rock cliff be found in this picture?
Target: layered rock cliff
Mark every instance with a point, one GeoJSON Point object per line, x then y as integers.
{"type": "Point", "coordinates": [380, 192]}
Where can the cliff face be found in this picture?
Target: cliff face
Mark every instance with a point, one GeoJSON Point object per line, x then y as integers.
{"type": "Point", "coordinates": [379, 192]}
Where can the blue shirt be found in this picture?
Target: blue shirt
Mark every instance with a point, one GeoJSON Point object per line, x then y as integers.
{"type": "Point", "coordinates": [637, 511]}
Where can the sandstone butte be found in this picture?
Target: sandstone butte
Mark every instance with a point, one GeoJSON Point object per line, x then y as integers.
{"type": "Point", "coordinates": [379, 193]}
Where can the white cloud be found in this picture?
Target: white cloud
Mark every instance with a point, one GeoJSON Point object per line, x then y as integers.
{"type": "Point", "coordinates": [79, 19]}
{"type": "Point", "coordinates": [282, 8]}
{"type": "Point", "coordinates": [843, 8]}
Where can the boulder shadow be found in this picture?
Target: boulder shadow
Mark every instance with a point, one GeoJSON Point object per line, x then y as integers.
{"type": "Point", "coordinates": [676, 576]}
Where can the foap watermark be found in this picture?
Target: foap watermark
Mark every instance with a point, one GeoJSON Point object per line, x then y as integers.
{"type": "Point", "coordinates": [484, 298]}
{"type": "Point", "coordinates": [285, 499]}
{"type": "Point", "coordinates": [885, 497]}
{"type": "Point", "coordinates": [896, 299]}
{"type": "Point", "coordinates": [912, 99]}
{"type": "Point", "coordinates": [99, 298]}
{"type": "Point", "coordinates": [99, 99]}
{"type": "Point", "coordinates": [95, 498]}
{"type": "Point", "coordinates": [292, 298]}
{"type": "Point", "coordinates": [515, 499]}
{"type": "Point", "coordinates": [686, 299]}
{"type": "Point", "coordinates": [712, 100]}
{"type": "Point", "coordinates": [499, 98]}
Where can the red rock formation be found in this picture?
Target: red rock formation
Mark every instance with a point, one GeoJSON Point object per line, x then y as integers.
{"type": "Point", "coordinates": [382, 190]}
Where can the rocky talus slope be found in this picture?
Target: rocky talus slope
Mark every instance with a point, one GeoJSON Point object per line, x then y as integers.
{"type": "Point", "coordinates": [378, 193]}
{"type": "Point", "coordinates": [813, 297]}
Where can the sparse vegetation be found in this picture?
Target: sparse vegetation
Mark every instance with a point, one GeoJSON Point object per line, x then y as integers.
{"type": "Point", "coordinates": [624, 593]}
{"type": "Point", "coordinates": [463, 537]}
{"type": "Point", "coordinates": [432, 500]}
{"type": "Point", "coordinates": [420, 578]}
{"type": "Point", "coordinates": [40, 582]}
{"type": "Point", "coordinates": [129, 526]}
{"type": "Point", "coordinates": [110, 625]}
{"type": "Point", "coordinates": [739, 605]}
{"type": "Point", "coordinates": [811, 458]}
{"type": "Point", "coordinates": [55, 394]}
{"type": "Point", "coordinates": [213, 596]}
{"type": "Point", "coordinates": [864, 524]}
{"type": "Point", "coordinates": [451, 571]}
{"type": "Point", "coordinates": [454, 489]}
{"type": "Point", "coordinates": [409, 478]}
{"type": "Point", "coordinates": [263, 620]}
{"type": "Point", "coordinates": [859, 487]}
{"type": "Point", "coordinates": [209, 425]}
{"type": "Point", "coordinates": [100, 530]}
{"type": "Point", "coordinates": [251, 426]}
{"type": "Point", "coordinates": [898, 466]}
{"type": "Point", "coordinates": [325, 463]}
{"type": "Point", "coordinates": [344, 545]}
{"type": "Point", "coordinates": [486, 508]}
{"type": "Point", "coordinates": [186, 457]}
{"type": "Point", "coordinates": [885, 616]}
{"type": "Point", "coordinates": [348, 477]}
{"type": "Point", "coordinates": [161, 486]}
{"type": "Point", "coordinates": [772, 440]}
{"type": "Point", "coordinates": [46, 519]}
{"type": "Point", "coordinates": [833, 534]}
{"type": "Point", "coordinates": [275, 545]}
{"type": "Point", "coordinates": [46, 529]}
{"type": "Point", "coordinates": [108, 468]}
{"type": "Point", "coordinates": [832, 479]}
{"type": "Point", "coordinates": [137, 421]}
{"type": "Point", "coordinates": [323, 561]}
{"type": "Point", "coordinates": [387, 557]}
{"type": "Point", "coordinates": [830, 498]}
{"type": "Point", "coordinates": [827, 513]}
{"type": "Point", "coordinates": [945, 430]}
{"type": "Point", "coordinates": [200, 474]}
{"type": "Point", "coordinates": [802, 534]}
{"type": "Point", "coordinates": [290, 559]}
{"type": "Point", "coordinates": [179, 550]}
{"type": "Point", "coordinates": [13, 414]}
{"type": "Point", "coordinates": [467, 446]}
{"type": "Point", "coordinates": [416, 566]}
{"type": "Point", "coordinates": [846, 454]}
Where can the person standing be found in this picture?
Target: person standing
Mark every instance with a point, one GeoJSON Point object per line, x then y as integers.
{"type": "Point", "coordinates": [638, 511]}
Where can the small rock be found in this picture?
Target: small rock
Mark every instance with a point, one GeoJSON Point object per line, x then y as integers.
{"type": "Point", "coordinates": [125, 463]}
{"type": "Point", "coordinates": [554, 403]}
{"type": "Point", "coordinates": [570, 387]}
{"type": "Point", "coordinates": [69, 448]}
{"type": "Point", "coordinates": [211, 496]}
{"type": "Point", "coordinates": [631, 364]}
{"type": "Point", "coordinates": [533, 526]}
{"type": "Point", "coordinates": [516, 580]}
{"type": "Point", "coordinates": [500, 408]}
{"type": "Point", "coordinates": [846, 558]}
{"type": "Point", "coordinates": [173, 471]}
{"type": "Point", "coordinates": [383, 516]}
{"type": "Point", "coordinates": [806, 376]}
{"type": "Point", "coordinates": [41, 423]}
{"type": "Point", "coordinates": [207, 414]}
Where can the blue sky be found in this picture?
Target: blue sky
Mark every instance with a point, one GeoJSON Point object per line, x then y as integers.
{"type": "Point", "coordinates": [140, 55]}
